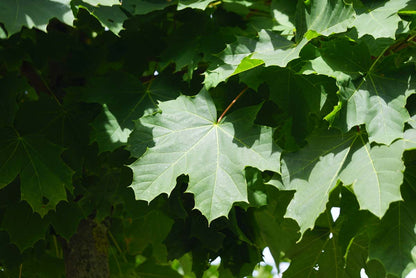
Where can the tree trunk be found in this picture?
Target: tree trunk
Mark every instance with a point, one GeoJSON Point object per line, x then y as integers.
{"type": "Point", "coordinates": [86, 253]}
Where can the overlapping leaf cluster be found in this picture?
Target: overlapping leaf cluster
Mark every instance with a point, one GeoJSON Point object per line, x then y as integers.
{"type": "Point", "coordinates": [105, 106]}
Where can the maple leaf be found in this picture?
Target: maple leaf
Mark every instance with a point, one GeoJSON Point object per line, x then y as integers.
{"type": "Point", "coordinates": [245, 54]}
{"type": "Point", "coordinates": [102, 2]}
{"type": "Point", "coordinates": [42, 172]}
{"type": "Point", "coordinates": [193, 4]}
{"type": "Point", "coordinates": [271, 49]}
{"type": "Point", "coordinates": [375, 174]}
{"type": "Point", "coordinates": [146, 6]}
{"type": "Point", "coordinates": [378, 101]}
{"type": "Point", "coordinates": [323, 17]}
{"type": "Point", "coordinates": [18, 230]}
{"type": "Point", "coordinates": [107, 12]}
{"type": "Point", "coordinates": [123, 99]}
{"type": "Point", "coordinates": [370, 98]}
{"type": "Point", "coordinates": [396, 231]}
{"type": "Point", "coordinates": [15, 14]}
{"type": "Point", "coordinates": [188, 140]}
{"type": "Point", "coordinates": [379, 19]}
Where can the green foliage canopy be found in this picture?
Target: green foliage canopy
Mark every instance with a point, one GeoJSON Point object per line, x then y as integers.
{"type": "Point", "coordinates": [198, 129]}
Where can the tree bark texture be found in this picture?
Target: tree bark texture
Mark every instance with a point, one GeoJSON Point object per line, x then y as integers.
{"type": "Point", "coordinates": [86, 253]}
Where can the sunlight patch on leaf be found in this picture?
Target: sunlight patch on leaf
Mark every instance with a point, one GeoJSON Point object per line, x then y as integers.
{"type": "Point", "coordinates": [107, 131]}
{"type": "Point", "coordinates": [276, 50]}
{"type": "Point", "coordinates": [193, 4]}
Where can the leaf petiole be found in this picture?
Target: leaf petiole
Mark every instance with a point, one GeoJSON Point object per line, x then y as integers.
{"type": "Point", "coordinates": [231, 104]}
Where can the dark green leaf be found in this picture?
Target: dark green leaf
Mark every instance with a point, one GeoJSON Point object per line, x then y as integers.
{"type": "Point", "coordinates": [396, 231]}
{"type": "Point", "coordinates": [24, 226]}
{"type": "Point", "coordinates": [150, 270]}
{"type": "Point", "coordinates": [43, 175]}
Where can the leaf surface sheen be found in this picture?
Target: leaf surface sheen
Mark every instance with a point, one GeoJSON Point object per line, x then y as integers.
{"type": "Point", "coordinates": [214, 155]}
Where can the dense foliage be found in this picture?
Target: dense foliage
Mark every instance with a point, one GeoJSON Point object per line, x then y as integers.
{"type": "Point", "coordinates": [180, 131]}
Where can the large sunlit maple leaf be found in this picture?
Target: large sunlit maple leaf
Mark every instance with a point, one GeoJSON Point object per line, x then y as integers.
{"type": "Point", "coordinates": [185, 138]}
